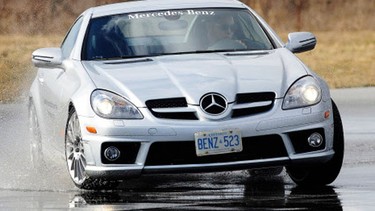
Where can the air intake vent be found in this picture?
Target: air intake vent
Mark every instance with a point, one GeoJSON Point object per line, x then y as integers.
{"type": "Point", "coordinates": [171, 108]}
{"type": "Point", "coordinates": [183, 152]}
{"type": "Point", "coordinates": [177, 108]}
{"type": "Point", "coordinates": [253, 103]}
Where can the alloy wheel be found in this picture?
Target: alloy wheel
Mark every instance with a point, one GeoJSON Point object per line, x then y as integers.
{"type": "Point", "coordinates": [75, 156]}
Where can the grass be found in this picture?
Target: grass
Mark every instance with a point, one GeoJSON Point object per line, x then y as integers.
{"type": "Point", "coordinates": [343, 59]}
{"type": "Point", "coordinates": [16, 70]}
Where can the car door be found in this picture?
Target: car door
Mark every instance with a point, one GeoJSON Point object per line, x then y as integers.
{"type": "Point", "coordinates": [55, 81]}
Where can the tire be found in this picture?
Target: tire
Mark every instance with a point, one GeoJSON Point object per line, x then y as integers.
{"type": "Point", "coordinates": [36, 148]}
{"type": "Point", "coordinates": [326, 173]}
{"type": "Point", "coordinates": [76, 159]}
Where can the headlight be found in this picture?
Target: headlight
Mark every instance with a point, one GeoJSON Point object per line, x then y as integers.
{"type": "Point", "coordinates": [304, 92]}
{"type": "Point", "coordinates": [110, 105]}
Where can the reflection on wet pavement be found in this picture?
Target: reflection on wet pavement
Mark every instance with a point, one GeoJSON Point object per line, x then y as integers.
{"type": "Point", "coordinates": [222, 191]}
{"type": "Point", "coordinates": [214, 191]}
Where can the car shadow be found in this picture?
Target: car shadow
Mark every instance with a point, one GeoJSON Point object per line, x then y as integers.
{"type": "Point", "coordinates": [210, 192]}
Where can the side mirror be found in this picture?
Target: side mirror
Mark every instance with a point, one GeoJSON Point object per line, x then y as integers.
{"type": "Point", "coordinates": [47, 57]}
{"type": "Point", "coordinates": [299, 42]}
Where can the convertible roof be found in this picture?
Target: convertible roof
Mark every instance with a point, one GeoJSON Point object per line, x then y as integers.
{"type": "Point", "coordinates": [150, 5]}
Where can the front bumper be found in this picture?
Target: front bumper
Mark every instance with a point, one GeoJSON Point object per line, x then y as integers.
{"type": "Point", "coordinates": [274, 138]}
{"type": "Point", "coordinates": [119, 172]}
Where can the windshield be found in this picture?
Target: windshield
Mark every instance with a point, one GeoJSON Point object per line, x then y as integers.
{"type": "Point", "coordinates": [173, 32]}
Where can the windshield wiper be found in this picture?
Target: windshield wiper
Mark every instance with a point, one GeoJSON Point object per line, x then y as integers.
{"type": "Point", "coordinates": [198, 52]}
{"type": "Point", "coordinates": [228, 51]}
{"type": "Point", "coordinates": [130, 61]}
{"type": "Point", "coordinates": [248, 53]}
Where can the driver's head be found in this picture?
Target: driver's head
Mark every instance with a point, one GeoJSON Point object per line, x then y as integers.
{"type": "Point", "coordinates": [220, 27]}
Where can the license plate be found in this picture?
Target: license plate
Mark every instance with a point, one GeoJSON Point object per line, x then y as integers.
{"type": "Point", "coordinates": [218, 142]}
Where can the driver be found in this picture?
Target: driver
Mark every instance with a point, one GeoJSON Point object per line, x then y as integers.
{"type": "Point", "coordinates": [220, 31]}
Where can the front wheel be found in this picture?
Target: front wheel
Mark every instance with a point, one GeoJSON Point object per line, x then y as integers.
{"type": "Point", "coordinates": [326, 173]}
{"type": "Point", "coordinates": [76, 159]}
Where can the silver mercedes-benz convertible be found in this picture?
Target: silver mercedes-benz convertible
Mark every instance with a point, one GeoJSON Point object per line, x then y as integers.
{"type": "Point", "coordinates": [182, 86]}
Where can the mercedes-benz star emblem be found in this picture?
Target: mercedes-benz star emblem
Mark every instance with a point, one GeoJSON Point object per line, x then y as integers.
{"type": "Point", "coordinates": [214, 104]}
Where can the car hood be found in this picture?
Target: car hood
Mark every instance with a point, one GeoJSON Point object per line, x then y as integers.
{"type": "Point", "coordinates": [193, 75]}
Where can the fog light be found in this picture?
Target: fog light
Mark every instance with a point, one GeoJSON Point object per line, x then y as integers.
{"type": "Point", "coordinates": [315, 140]}
{"type": "Point", "coordinates": [112, 153]}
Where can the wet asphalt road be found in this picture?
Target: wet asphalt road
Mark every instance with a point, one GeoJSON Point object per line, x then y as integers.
{"type": "Point", "coordinates": [23, 188]}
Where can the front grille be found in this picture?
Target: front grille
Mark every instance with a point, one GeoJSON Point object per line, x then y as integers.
{"type": "Point", "coordinates": [265, 100]}
{"type": "Point", "coordinates": [246, 104]}
{"type": "Point", "coordinates": [170, 103]}
{"type": "Point", "coordinates": [180, 153]}
{"type": "Point", "coordinates": [255, 97]}
{"type": "Point", "coordinates": [167, 103]}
